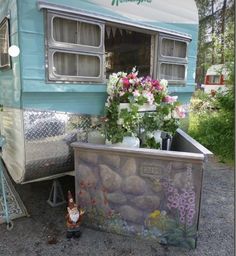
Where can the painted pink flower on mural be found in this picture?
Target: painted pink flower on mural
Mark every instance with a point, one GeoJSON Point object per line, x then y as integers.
{"type": "Point", "coordinates": [182, 200]}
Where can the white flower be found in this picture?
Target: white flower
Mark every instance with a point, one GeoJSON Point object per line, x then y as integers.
{"type": "Point", "coordinates": [168, 117]}
{"type": "Point", "coordinates": [110, 89]}
{"type": "Point", "coordinates": [164, 84]}
{"type": "Point", "coordinates": [121, 74]}
{"type": "Point", "coordinates": [134, 71]}
{"type": "Point", "coordinates": [132, 81]}
{"type": "Point", "coordinates": [149, 134]}
{"type": "Point", "coordinates": [120, 121]}
{"type": "Point", "coordinates": [163, 213]}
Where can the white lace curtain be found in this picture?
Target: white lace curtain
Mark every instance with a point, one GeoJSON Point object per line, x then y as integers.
{"type": "Point", "coordinates": [172, 71]}
{"type": "Point", "coordinates": [76, 33]}
{"type": "Point", "coordinates": [173, 48]}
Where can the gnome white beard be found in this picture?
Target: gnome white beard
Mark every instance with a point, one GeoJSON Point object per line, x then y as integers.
{"type": "Point", "coordinates": [74, 215]}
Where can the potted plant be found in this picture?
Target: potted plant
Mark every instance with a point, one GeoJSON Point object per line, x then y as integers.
{"type": "Point", "coordinates": [140, 107]}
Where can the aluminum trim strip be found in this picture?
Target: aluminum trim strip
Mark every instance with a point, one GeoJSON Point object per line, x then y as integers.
{"type": "Point", "coordinates": [140, 152]}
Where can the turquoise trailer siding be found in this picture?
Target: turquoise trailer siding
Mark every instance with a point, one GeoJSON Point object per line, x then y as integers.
{"type": "Point", "coordinates": [25, 86]}
{"type": "Point", "coordinates": [10, 81]}
{"type": "Point", "coordinates": [36, 93]}
{"type": "Point", "coordinates": [82, 103]}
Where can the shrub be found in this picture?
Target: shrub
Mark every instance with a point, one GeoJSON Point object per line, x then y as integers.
{"type": "Point", "coordinates": [212, 122]}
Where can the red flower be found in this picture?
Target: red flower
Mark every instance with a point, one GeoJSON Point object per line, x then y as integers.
{"type": "Point", "coordinates": [126, 82]}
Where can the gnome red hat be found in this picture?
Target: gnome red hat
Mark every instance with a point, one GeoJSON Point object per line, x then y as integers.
{"type": "Point", "coordinates": [71, 203]}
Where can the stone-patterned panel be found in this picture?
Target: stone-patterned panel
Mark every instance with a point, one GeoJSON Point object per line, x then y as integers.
{"type": "Point", "coordinates": [142, 195]}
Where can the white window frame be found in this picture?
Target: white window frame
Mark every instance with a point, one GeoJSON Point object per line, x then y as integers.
{"type": "Point", "coordinates": [5, 22]}
{"type": "Point", "coordinates": [162, 59]}
{"type": "Point", "coordinates": [53, 46]}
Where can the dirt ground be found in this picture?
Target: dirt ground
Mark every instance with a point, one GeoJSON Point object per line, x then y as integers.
{"type": "Point", "coordinates": [44, 232]}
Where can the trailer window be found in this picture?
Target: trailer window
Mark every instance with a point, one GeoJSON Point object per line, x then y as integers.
{"type": "Point", "coordinates": [173, 48]}
{"type": "Point", "coordinates": [76, 32]}
{"type": "Point", "coordinates": [4, 44]}
{"type": "Point", "coordinates": [214, 79]}
{"type": "Point", "coordinates": [126, 49]}
{"type": "Point", "coordinates": [172, 72]}
{"type": "Point", "coordinates": [80, 65]}
{"type": "Point", "coordinates": [172, 59]}
{"type": "Point", "coordinates": [75, 48]}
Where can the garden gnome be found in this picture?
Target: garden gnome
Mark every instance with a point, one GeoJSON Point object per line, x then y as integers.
{"type": "Point", "coordinates": [73, 218]}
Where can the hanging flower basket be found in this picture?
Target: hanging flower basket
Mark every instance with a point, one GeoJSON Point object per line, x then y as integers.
{"type": "Point", "coordinates": [139, 106]}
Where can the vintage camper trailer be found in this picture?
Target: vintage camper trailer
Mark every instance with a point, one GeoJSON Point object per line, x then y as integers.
{"type": "Point", "coordinates": [215, 78]}
{"type": "Point", "coordinates": [67, 51]}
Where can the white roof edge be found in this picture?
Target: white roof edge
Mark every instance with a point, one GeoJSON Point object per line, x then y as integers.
{"type": "Point", "coordinates": [56, 7]}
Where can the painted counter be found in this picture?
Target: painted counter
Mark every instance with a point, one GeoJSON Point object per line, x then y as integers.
{"type": "Point", "coordinates": [151, 194]}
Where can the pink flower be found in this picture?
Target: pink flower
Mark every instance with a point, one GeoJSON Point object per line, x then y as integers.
{"type": "Point", "coordinates": [175, 204]}
{"type": "Point", "coordinates": [156, 84]}
{"type": "Point", "coordinates": [136, 93]}
{"type": "Point", "coordinates": [165, 184]}
{"type": "Point", "coordinates": [182, 220]}
{"type": "Point", "coordinates": [178, 112]}
{"type": "Point", "coordinates": [149, 96]}
{"type": "Point", "coordinates": [132, 75]}
{"type": "Point", "coordinates": [189, 223]}
{"type": "Point", "coordinates": [170, 189]}
{"type": "Point", "coordinates": [170, 99]}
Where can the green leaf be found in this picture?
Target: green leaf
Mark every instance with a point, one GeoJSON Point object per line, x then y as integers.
{"type": "Point", "coordinates": [189, 243]}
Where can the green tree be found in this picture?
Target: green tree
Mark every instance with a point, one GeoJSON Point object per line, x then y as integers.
{"type": "Point", "coordinates": [216, 22]}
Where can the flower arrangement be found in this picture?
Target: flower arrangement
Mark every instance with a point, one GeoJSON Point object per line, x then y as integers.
{"type": "Point", "coordinates": [130, 120]}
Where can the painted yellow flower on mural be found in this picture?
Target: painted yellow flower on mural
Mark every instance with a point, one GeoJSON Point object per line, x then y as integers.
{"type": "Point", "coordinates": [158, 219]}
{"type": "Point", "coordinates": [154, 214]}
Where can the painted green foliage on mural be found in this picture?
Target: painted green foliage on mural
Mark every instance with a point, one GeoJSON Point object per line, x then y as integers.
{"type": "Point", "coordinates": [172, 232]}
